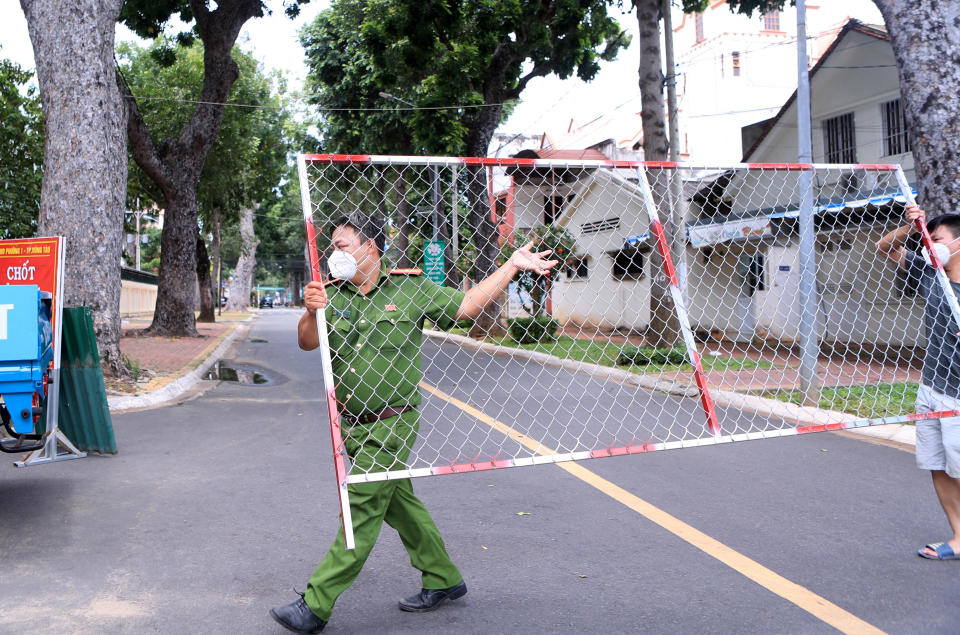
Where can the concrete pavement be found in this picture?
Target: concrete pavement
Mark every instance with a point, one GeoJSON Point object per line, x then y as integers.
{"type": "Point", "coordinates": [217, 506]}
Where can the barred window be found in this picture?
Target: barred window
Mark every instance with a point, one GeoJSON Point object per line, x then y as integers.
{"type": "Point", "coordinates": [839, 142]}
{"type": "Point", "coordinates": [752, 270]}
{"type": "Point", "coordinates": [895, 137]}
{"type": "Point", "coordinates": [627, 264]}
{"type": "Point", "coordinates": [551, 207]}
{"type": "Point", "coordinates": [771, 21]}
{"type": "Point", "coordinates": [578, 268]}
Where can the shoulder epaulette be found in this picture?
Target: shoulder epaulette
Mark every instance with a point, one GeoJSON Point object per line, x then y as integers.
{"type": "Point", "coordinates": [406, 272]}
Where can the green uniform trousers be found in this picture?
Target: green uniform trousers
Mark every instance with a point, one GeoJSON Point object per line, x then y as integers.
{"type": "Point", "coordinates": [381, 445]}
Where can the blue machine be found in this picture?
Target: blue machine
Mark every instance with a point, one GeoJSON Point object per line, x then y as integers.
{"type": "Point", "coordinates": [26, 350]}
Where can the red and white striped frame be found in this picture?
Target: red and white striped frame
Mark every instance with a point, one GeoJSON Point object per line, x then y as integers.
{"type": "Point", "coordinates": [656, 228]}
{"type": "Point", "coordinates": [333, 413]}
{"type": "Point", "coordinates": [383, 159]}
{"type": "Point", "coordinates": [928, 243]}
{"type": "Point", "coordinates": [644, 448]}
{"type": "Point", "coordinates": [464, 465]}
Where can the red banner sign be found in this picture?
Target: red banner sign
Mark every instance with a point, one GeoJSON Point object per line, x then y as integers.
{"type": "Point", "coordinates": [31, 261]}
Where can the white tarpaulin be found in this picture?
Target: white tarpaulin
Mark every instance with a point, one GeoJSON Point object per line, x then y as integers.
{"type": "Point", "coordinates": [706, 235]}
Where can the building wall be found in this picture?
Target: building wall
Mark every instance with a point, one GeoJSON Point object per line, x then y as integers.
{"type": "Point", "coordinates": [715, 103]}
{"type": "Point", "coordinates": [137, 298]}
{"type": "Point", "coordinates": [858, 297]}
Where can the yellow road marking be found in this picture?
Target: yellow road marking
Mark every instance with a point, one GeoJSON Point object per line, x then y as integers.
{"type": "Point", "coordinates": [804, 598]}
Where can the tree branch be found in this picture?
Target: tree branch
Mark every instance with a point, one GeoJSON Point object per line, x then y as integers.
{"type": "Point", "coordinates": [142, 145]}
{"type": "Point", "coordinates": [539, 70]}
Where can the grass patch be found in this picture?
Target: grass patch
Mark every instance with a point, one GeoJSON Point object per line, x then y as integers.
{"type": "Point", "coordinates": [866, 402]}
{"type": "Point", "coordinates": [606, 354]}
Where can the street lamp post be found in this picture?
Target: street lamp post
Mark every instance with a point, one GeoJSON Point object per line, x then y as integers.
{"type": "Point", "coordinates": [137, 215]}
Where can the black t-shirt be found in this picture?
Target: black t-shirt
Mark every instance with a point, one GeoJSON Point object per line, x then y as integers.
{"type": "Point", "coordinates": [941, 363]}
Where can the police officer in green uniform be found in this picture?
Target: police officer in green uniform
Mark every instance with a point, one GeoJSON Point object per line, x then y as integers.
{"type": "Point", "coordinates": [375, 319]}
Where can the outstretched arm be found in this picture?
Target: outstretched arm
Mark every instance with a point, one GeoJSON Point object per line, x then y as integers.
{"type": "Point", "coordinates": [492, 287]}
{"type": "Point", "coordinates": [891, 246]}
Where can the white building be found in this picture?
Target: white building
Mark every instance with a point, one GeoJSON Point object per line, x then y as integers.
{"type": "Point", "coordinates": [733, 70]}
{"type": "Point", "coordinates": [741, 259]}
{"type": "Point", "coordinates": [754, 282]}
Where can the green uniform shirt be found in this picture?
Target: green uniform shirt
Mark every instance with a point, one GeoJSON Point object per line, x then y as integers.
{"type": "Point", "coordinates": [375, 338]}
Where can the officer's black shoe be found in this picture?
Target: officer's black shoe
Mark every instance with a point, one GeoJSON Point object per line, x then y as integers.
{"type": "Point", "coordinates": [298, 617]}
{"type": "Point", "coordinates": [429, 599]}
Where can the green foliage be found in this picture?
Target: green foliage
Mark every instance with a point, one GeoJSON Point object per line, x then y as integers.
{"type": "Point", "coordinates": [344, 83]}
{"type": "Point", "coordinates": [544, 237]}
{"type": "Point", "coordinates": [150, 250]}
{"type": "Point", "coordinates": [533, 330]}
{"type": "Point", "coordinates": [477, 55]}
{"type": "Point", "coordinates": [645, 356]}
{"type": "Point", "coordinates": [21, 152]}
{"type": "Point", "coordinates": [248, 161]}
{"type": "Point", "coordinates": [279, 227]}
{"type": "Point", "coordinates": [248, 158]}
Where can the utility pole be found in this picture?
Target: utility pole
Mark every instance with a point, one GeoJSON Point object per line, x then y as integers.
{"type": "Point", "coordinates": [809, 344]}
{"type": "Point", "coordinates": [677, 207]}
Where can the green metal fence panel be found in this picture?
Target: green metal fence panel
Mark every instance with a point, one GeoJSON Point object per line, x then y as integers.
{"type": "Point", "coordinates": [84, 415]}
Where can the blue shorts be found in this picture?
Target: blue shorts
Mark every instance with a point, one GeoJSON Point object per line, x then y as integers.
{"type": "Point", "coordinates": [938, 440]}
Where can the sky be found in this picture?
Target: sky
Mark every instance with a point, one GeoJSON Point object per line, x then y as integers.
{"type": "Point", "coordinates": [547, 104]}
{"type": "Point", "coordinates": [273, 39]}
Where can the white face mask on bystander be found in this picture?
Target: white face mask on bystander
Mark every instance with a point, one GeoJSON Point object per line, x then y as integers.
{"type": "Point", "coordinates": [942, 251]}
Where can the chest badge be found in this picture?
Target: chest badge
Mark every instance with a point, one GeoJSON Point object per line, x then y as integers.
{"type": "Point", "coordinates": [343, 314]}
{"type": "Point", "coordinates": [390, 307]}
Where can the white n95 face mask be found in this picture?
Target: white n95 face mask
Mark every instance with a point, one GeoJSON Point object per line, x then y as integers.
{"type": "Point", "coordinates": [342, 264]}
{"type": "Point", "coordinates": [942, 251]}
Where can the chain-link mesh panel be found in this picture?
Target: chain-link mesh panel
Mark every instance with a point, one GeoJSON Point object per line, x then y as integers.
{"type": "Point", "coordinates": [672, 319]}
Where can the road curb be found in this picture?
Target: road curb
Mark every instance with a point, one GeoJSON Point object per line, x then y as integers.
{"type": "Point", "coordinates": [800, 415]}
{"type": "Point", "coordinates": [183, 383]}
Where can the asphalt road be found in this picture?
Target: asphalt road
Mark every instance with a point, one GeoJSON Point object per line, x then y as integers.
{"type": "Point", "coordinates": [217, 507]}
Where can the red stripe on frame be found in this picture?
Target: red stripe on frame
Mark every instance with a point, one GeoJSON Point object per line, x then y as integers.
{"type": "Point", "coordinates": [463, 468]}
{"type": "Point", "coordinates": [664, 250]}
{"type": "Point", "coordinates": [337, 158]}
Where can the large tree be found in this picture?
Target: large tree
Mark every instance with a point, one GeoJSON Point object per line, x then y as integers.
{"type": "Point", "coordinates": [664, 326]}
{"type": "Point", "coordinates": [480, 56]}
{"type": "Point", "coordinates": [175, 163]}
{"type": "Point", "coordinates": [926, 44]}
{"type": "Point", "coordinates": [248, 159]}
{"type": "Point", "coordinates": [84, 162]}
{"type": "Point", "coordinates": [344, 83]}
{"type": "Point", "coordinates": [21, 152]}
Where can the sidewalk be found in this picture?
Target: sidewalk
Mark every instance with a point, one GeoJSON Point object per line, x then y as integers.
{"type": "Point", "coordinates": [165, 367]}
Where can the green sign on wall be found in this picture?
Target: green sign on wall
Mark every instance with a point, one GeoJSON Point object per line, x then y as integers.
{"type": "Point", "coordinates": [433, 260]}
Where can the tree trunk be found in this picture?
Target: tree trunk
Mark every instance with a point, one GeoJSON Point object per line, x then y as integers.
{"type": "Point", "coordinates": [480, 216]}
{"type": "Point", "coordinates": [175, 164]}
{"type": "Point", "coordinates": [485, 240]}
{"type": "Point", "coordinates": [243, 275]}
{"type": "Point", "coordinates": [204, 283]}
{"type": "Point", "coordinates": [924, 38]}
{"type": "Point", "coordinates": [83, 194]}
{"type": "Point", "coordinates": [664, 329]}
{"type": "Point", "coordinates": [217, 260]}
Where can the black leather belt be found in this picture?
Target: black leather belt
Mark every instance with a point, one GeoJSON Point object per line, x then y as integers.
{"type": "Point", "coordinates": [386, 413]}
